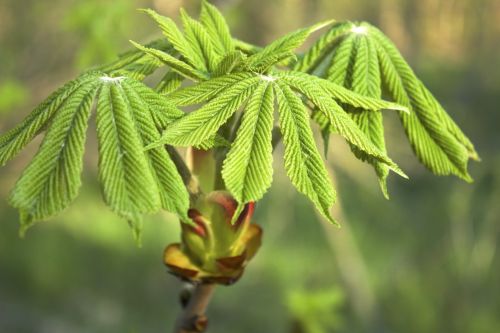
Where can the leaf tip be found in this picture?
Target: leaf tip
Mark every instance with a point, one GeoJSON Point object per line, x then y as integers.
{"type": "Point", "coordinates": [27, 222]}
{"type": "Point", "coordinates": [467, 178]}
{"type": "Point", "coordinates": [136, 225]}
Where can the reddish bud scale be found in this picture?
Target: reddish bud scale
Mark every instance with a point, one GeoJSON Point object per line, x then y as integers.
{"type": "Point", "coordinates": [213, 250]}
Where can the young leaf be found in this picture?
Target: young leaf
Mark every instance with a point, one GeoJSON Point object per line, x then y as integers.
{"type": "Point", "coordinates": [339, 93]}
{"type": "Point", "coordinates": [227, 64]}
{"type": "Point", "coordinates": [435, 147]}
{"type": "Point", "coordinates": [321, 48]}
{"type": "Point", "coordinates": [128, 186]}
{"type": "Point", "coordinates": [341, 62]}
{"type": "Point", "coordinates": [200, 41]}
{"type": "Point", "coordinates": [303, 162]}
{"type": "Point", "coordinates": [217, 28]}
{"type": "Point", "coordinates": [198, 126]}
{"type": "Point", "coordinates": [177, 39]}
{"type": "Point", "coordinates": [17, 138]}
{"type": "Point", "coordinates": [170, 82]}
{"type": "Point", "coordinates": [173, 194]}
{"type": "Point", "coordinates": [366, 81]}
{"type": "Point", "coordinates": [174, 63]}
{"type": "Point", "coordinates": [52, 179]}
{"type": "Point", "coordinates": [451, 126]}
{"type": "Point", "coordinates": [337, 117]}
{"type": "Point", "coordinates": [162, 110]}
{"type": "Point", "coordinates": [283, 45]}
{"type": "Point", "coordinates": [206, 90]}
{"type": "Point", "coordinates": [135, 63]}
{"type": "Point", "coordinates": [248, 167]}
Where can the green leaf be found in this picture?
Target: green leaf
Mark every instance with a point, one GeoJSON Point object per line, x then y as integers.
{"type": "Point", "coordinates": [177, 39]}
{"type": "Point", "coordinates": [135, 63]}
{"type": "Point", "coordinates": [200, 41]}
{"type": "Point", "coordinates": [246, 48]}
{"type": "Point", "coordinates": [366, 81]}
{"type": "Point", "coordinates": [143, 67]}
{"type": "Point", "coordinates": [341, 62]}
{"type": "Point", "coordinates": [248, 167]}
{"type": "Point", "coordinates": [451, 126]}
{"type": "Point", "coordinates": [227, 64]}
{"type": "Point", "coordinates": [198, 126]}
{"type": "Point", "coordinates": [337, 117]}
{"type": "Point", "coordinates": [174, 63]}
{"type": "Point", "coordinates": [170, 82]}
{"type": "Point", "coordinates": [263, 66]}
{"type": "Point", "coordinates": [303, 163]}
{"type": "Point", "coordinates": [52, 179]}
{"type": "Point", "coordinates": [206, 90]}
{"type": "Point", "coordinates": [17, 138]}
{"type": "Point", "coordinates": [162, 110]}
{"type": "Point", "coordinates": [173, 194]}
{"type": "Point", "coordinates": [340, 93]}
{"type": "Point", "coordinates": [128, 185]}
{"type": "Point", "coordinates": [217, 28]}
{"type": "Point", "coordinates": [321, 48]}
{"type": "Point", "coordinates": [434, 145]}
{"type": "Point", "coordinates": [285, 44]}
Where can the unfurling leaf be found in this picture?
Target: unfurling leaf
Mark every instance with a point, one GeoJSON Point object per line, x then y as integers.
{"type": "Point", "coordinates": [248, 167]}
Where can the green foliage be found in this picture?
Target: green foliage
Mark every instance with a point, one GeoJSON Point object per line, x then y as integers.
{"type": "Point", "coordinates": [52, 179]}
{"type": "Point", "coordinates": [124, 125]}
{"type": "Point", "coordinates": [361, 58]}
{"type": "Point", "coordinates": [302, 160]}
{"type": "Point", "coordinates": [129, 116]}
{"type": "Point", "coordinates": [217, 28]}
{"type": "Point", "coordinates": [248, 168]}
{"type": "Point", "coordinates": [235, 88]}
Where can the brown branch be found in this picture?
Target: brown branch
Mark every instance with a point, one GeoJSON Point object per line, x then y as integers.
{"type": "Point", "coordinates": [193, 318]}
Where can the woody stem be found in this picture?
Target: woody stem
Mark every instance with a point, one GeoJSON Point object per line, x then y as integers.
{"type": "Point", "coordinates": [193, 319]}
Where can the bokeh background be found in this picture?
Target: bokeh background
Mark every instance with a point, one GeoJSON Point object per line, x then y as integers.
{"type": "Point", "coordinates": [425, 261]}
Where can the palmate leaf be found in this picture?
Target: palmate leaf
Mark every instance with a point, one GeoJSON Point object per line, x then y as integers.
{"type": "Point", "coordinates": [313, 89]}
{"type": "Point", "coordinates": [52, 179]}
{"type": "Point", "coordinates": [303, 162]}
{"type": "Point", "coordinates": [248, 167]}
{"type": "Point", "coordinates": [435, 138]}
{"type": "Point", "coordinates": [134, 182]}
{"type": "Point", "coordinates": [129, 116]}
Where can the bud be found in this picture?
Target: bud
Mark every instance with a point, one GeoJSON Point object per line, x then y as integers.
{"type": "Point", "coordinates": [213, 249]}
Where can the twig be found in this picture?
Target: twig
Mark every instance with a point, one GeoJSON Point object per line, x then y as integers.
{"type": "Point", "coordinates": [193, 318]}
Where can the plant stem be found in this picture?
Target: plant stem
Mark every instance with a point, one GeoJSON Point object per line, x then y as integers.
{"type": "Point", "coordinates": [193, 318]}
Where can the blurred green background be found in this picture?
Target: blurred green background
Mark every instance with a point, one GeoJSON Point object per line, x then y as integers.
{"type": "Point", "coordinates": [425, 261]}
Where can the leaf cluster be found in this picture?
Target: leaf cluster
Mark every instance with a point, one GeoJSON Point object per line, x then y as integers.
{"type": "Point", "coordinates": [242, 96]}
